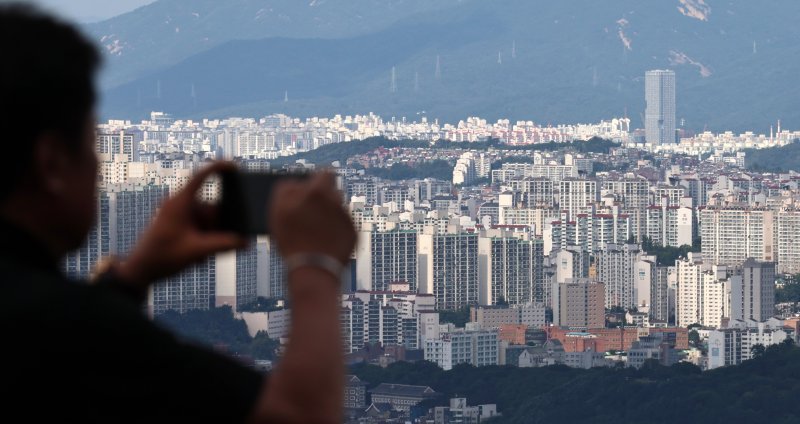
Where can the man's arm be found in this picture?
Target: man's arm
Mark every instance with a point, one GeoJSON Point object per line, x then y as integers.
{"type": "Point", "coordinates": [307, 385]}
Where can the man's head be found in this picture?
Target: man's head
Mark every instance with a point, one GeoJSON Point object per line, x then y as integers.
{"type": "Point", "coordinates": [47, 100]}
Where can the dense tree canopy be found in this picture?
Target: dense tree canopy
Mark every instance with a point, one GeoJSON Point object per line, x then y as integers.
{"type": "Point", "coordinates": [342, 151]}
{"type": "Point", "coordinates": [439, 169]}
{"type": "Point", "coordinates": [666, 255]}
{"type": "Point", "coordinates": [457, 317]}
{"type": "Point", "coordinates": [216, 327]}
{"type": "Point", "coordinates": [760, 390]}
{"type": "Point", "coordinates": [790, 292]}
{"type": "Point", "coordinates": [775, 159]}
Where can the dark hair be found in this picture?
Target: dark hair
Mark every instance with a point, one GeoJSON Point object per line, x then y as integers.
{"type": "Point", "coordinates": [46, 86]}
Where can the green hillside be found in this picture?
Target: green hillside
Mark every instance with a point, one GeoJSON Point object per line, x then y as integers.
{"type": "Point", "coordinates": [776, 159]}
{"type": "Point", "coordinates": [762, 390]}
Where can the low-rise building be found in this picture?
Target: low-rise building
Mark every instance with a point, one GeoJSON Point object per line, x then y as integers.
{"type": "Point", "coordinates": [355, 392]}
{"type": "Point", "coordinates": [655, 346]}
{"type": "Point", "coordinates": [401, 397]}
{"type": "Point", "coordinates": [464, 346]}
{"type": "Point", "coordinates": [736, 343]}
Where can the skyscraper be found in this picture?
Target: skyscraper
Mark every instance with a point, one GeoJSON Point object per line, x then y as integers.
{"type": "Point", "coordinates": [659, 116]}
{"type": "Point", "coordinates": [753, 295]}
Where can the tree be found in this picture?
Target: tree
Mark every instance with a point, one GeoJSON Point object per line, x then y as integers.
{"type": "Point", "coordinates": [458, 317]}
{"type": "Point", "coordinates": [758, 350]}
{"type": "Point", "coordinates": [694, 338]}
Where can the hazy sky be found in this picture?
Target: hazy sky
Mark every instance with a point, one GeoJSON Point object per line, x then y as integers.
{"type": "Point", "coordinates": [89, 10]}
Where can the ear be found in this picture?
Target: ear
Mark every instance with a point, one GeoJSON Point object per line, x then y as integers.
{"type": "Point", "coordinates": [50, 164]}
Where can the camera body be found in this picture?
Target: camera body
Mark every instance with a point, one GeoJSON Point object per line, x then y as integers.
{"type": "Point", "coordinates": [246, 198]}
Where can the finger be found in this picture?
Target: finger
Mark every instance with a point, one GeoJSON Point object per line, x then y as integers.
{"type": "Point", "coordinates": [209, 243]}
{"type": "Point", "coordinates": [201, 176]}
{"type": "Point", "coordinates": [325, 180]}
{"type": "Point", "coordinates": [205, 216]}
{"type": "Point", "coordinates": [284, 191]}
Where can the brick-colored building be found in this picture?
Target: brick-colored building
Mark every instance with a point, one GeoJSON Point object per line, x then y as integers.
{"type": "Point", "coordinates": [513, 334]}
{"type": "Point", "coordinates": [605, 339]}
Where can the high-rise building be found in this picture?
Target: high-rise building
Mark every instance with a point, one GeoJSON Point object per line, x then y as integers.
{"type": "Point", "coordinates": [511, 267]}
{"type": "Point", "coordinates": [396, 316]}
{"type": "Point", "coordinates": [572, 262]}
{"type": "Point", "coordinates": [579, 303]}
{"type": "Point", "coordinates": [616, 268]}
{"type": "Point", "coordinates": [362, 187]}
{"type": "Point", "coordinates": [634, 194]}
{"type": "Point", "coordinates": [130, 208]}
{"type": "Point", "coordinates": [787, 233]}
{"type": "Point", "coordinates": [663, 294]}
{"type": "Point", "coordinates": [194, 288]}
{"type": "Point", "coordinates": [351, 321]}
{"type": "Point", "coordinates": [276, 271]}
{"type": "Point", "coordinates": [464, 171]}
{"type": "Point", "coordinates": [645, 281]}
{"type": "Point", "coordinates": [703, 291]}
{"type": "Point", "coordinates": [731, 234]}
{"type": "Point", "coordinates": [383, 258]}
{"type": "Point", "coordinates": [659, 116]}
{"type": "Point", "coordinates": [588, 231]}
{"type": "Point", "coordinates": [448, 268]}
{"type": "Point", "coordinates": [236, 281]}
{"type": "Point", "coordinates": [670, 225]}
{"type": "Point", "coordinates": [111, 144]}
{"type": "Point", "coordinates": [429, 188]}
{"type": "Point", "coordinates": [753, 295]}
{"type": "Point", "coordinates": [577, 196]}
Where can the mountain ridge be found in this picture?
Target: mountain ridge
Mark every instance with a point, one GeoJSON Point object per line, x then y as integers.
{"type": "Point", "coordinates": [559, 63]}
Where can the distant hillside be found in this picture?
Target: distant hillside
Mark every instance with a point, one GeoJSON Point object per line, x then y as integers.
{"type": "Point", "coordinates": [330, 153]}
{"type": "Point", "coordinates": [327, 154]}
{"type": "Point", "coordinates": [167, 31]}
{"type": "Point", "coordinates": [761, 390]}
{"type": "Point", "coordinates": [551, 62]}
{"type": "Point", "coordinates": [776, 159]}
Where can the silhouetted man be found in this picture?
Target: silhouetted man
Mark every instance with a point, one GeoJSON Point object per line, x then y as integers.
{"type": "Point", "coordinates": [76, 352]}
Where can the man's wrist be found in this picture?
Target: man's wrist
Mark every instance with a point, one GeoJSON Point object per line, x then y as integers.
{"type": "Point", "coordinates": [319, 261]}
{"type": "Point", "coordinates": [113, 274]}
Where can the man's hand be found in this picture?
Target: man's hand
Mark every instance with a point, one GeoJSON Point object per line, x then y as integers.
{"type": "Point", "coordinates": [308, 217]}
{"type": "Point", "coordinates": [308, 384]}
{"type": "Point", "coordinates": [181, 234]}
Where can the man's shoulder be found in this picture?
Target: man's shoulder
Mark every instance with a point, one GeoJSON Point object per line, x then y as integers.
{"type": "Point", "coordinates": [39, 294]}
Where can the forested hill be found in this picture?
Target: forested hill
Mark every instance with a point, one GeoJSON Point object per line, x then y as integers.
{"type": "Point", "coordinates": [327, 154]}
{"type": "Point", "coordinates": [776, 159]}
{"type": "Point", "coordinates": [763, 390]}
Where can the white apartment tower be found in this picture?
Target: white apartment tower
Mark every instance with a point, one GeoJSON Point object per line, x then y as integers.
{"type": "Point", "coordinates": [616, 267]}
{"type": "Point", "coordinates": [703, 294]}
{"type": "Point", "coordinates": [731, 234]}
{"type": "Point", "coordinates": [787, 233]}
{"type": "Point", "coordinates": [577, 196]}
